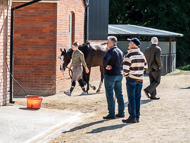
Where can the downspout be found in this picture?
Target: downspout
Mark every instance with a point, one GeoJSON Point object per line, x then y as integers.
{"type": "Point", "coordinates": [12, 44]}
{"type": "Point", "coordinates": [7, 31]}
{"type": "Point", "coordinates": [85, 21]}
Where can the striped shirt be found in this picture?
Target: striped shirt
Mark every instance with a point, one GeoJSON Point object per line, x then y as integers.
{"type": "Point", "coordinates": [134, 64]}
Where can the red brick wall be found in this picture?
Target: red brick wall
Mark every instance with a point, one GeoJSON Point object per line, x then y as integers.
{"type": "Point", "coordinates": [4, 50]}
{"type": "Point", "coordinates": [41, 29]}
{"type": "Point", "coordinates": [65, 7]}
{"type": "Point", "coordinates": [35, 48]}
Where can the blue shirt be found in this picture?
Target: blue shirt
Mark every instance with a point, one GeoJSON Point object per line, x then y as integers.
{"type": "Point", "coordinates": [113, 57]}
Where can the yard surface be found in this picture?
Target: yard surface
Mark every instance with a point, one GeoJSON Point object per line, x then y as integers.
{"type": "Point", "coordinates": [166, 120]}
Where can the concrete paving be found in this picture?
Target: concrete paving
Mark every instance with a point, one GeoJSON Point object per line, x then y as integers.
{"type": "Point", "coordinates": [19, 124]}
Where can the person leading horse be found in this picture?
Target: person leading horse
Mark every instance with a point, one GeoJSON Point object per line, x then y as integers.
{"type": "Point", "coordinates": [77, 62]}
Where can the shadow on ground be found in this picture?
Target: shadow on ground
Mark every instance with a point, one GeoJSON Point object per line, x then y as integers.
{"type": "Point", "coordinates": [92, 93]}
{"type": "Point", "coordinates": [113, 127]}
{"type": "Point", "coordinates": [142, 102]}
{"type": "Point", "coordinates": [86, 125]}
{"type": "Point", "coordinates": [28, 109]}
{"type": "Point", "coordinates": [186, 88]}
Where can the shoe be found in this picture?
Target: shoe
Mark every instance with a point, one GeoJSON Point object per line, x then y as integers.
{"type": "Point", "coordinates": [155, 98]}
{"type": "Point", "coordinates": [120, 116]}
{"type": "Point", "coordinates": [109, 117]}
{"type": "Point", "coordinates": [146, 93]}
{"type": "Point", "coordinates": [137, 120]}
{"type": "Point", "coordinates": [84, 93]}
{"type": "Point", "coordinates": [67, 93]}
{"type": "Point", "coordinates": [129, 120]}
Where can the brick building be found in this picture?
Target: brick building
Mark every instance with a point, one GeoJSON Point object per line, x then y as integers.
{"type": "Point", "coordinates": [40, 30]}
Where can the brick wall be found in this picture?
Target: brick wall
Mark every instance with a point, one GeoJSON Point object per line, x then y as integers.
{"type": "Point", "coordinates": [4, 50]}
{"type": "Point", "coordinates": [35, 49]}
{"type": "Point", "coordinates": [41, 29]}
{"type": "Point", "coordinates": [65, 7]}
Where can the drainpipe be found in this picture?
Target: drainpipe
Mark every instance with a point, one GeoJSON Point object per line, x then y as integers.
{"type": "Point", "coordinates": [7, 33]}
{"type": "Point", "coordinates": [12, 43]}
{"type": "Point", "coordinates": [85, 21]}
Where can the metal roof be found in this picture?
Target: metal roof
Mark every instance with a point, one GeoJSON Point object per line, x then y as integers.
{"type": "Point", "coordinates": [127, 29]}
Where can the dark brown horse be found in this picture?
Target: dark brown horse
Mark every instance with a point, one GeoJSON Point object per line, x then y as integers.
{"type": "Point", "coordinates": [93, 56]}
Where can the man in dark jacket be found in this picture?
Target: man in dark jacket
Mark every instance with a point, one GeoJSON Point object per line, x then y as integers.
{"type": "Point", "coordinates": [113, 75]}
{"type": "Point", "coordinates": [153, 57]}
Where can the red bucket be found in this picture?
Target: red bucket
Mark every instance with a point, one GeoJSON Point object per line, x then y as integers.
{"type": "Point", "coordinates": [34, 101]}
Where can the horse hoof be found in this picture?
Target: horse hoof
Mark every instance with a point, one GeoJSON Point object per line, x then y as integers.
{"type": "Point", "coordinates": [94, 88]}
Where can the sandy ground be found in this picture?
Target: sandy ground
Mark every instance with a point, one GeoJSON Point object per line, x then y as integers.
{"type": "Point", "coordinates": [166, 120]}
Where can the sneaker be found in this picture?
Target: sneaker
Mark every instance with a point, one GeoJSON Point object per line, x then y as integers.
{"type": "Point", "coordinates": [67, 93]}
{"type": "Point", "coordinates": [84, 93]}
{"type": "Point", "coordinates": [129, 120]}
{"type": "Point", "coordinates": [146, 93]}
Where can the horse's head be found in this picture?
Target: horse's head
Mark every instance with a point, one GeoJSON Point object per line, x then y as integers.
{"type": "Point", "coordinates": [65, 58]}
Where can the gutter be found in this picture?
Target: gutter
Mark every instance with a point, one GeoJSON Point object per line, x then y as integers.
{"type": "Point", "coordinates": [12, 44]}
{"type": "Point", "coordinates": [85, 20]}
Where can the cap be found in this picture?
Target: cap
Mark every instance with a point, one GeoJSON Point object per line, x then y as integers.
{"type": "Point", "coordinates": [135, 41]}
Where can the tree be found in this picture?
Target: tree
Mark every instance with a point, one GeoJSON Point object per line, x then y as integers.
{"type": "Point", "coordinates": [171, 15]}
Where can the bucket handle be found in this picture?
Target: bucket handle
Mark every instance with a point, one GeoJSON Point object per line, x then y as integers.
{"type": "Point", "coordinates": [34, 97]}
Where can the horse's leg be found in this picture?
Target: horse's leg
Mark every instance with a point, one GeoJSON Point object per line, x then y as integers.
{"type": "Point", "coordinates": [87, 79]}
{"type": "Point", "coordinates": [93, 87]}
{"type": "Point", "coordinates": [102, 77]}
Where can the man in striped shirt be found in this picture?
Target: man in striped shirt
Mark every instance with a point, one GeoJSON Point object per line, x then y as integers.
{"type": "Point", "coordinates": [133, 67]}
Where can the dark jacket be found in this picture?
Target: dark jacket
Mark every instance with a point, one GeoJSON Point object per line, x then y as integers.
{"type": "Point", "coordinates": [153, 56]}
{"type": "Point", "coordinates": [113, 57]}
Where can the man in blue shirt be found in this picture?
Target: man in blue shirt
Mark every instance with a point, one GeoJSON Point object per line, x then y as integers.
{"type": "Point", "coordinates": [113, 75]}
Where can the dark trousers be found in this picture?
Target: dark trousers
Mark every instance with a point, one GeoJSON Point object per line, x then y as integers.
{"type": "Point", "coordinates": [155, 77]}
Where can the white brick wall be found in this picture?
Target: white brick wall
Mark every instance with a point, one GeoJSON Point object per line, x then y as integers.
{"type": "Point", "coordinates": [4, 75]}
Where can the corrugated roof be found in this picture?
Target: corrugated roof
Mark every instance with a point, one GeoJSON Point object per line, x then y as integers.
{"type": "Point", "coordinates": [127, 29]}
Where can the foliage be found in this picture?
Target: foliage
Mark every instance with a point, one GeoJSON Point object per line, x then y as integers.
{"type": "Point", "coordinates": [170, 15]}
{"type": "Point", "coordinates": [187, 67]}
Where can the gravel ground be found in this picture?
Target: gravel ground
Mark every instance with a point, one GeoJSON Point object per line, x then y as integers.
{"type": "Point", "coordinates": [166, 120]}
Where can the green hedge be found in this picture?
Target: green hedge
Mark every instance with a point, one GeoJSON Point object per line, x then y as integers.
{"type": "Point", "coordinates": [184, 67]}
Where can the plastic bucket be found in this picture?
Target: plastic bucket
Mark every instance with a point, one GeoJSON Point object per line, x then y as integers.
{"type": "Point", "coordinates": [34, 101]}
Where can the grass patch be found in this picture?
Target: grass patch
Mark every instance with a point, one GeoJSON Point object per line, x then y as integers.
{"type": "Point", "coordinates": [179, 72]}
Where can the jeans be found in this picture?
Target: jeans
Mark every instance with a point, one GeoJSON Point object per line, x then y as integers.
{"type": "Point", "coordinates": [134, 95]}
{"type": "Point", "coordinates": [114, 83]}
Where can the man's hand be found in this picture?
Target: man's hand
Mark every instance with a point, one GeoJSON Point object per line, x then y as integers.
{"type": "Point", "coordinates": [87, 70]}
{"type": "Point", "coordinates": [109, 67]}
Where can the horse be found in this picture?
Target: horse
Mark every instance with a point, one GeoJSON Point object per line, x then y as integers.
{"type": "Point", "coordinates": [93, 54]}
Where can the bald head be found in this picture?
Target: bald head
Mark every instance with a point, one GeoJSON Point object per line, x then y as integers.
{"type": "Point", "coordinates": [154, 40]}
